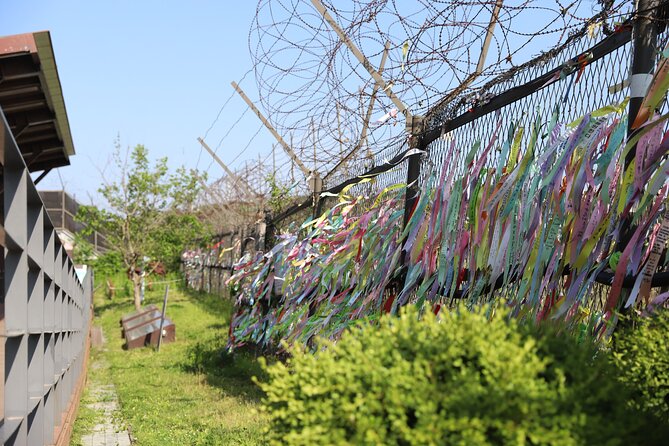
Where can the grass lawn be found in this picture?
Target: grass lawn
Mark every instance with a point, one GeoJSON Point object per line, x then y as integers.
{"type": "Point", "coordinates": [189, 393]}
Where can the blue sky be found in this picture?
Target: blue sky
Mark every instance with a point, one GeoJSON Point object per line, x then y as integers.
{"type": "Point", "coordinates": [154, 72]}
{"type": "Point", "coordinates": [158, 72]}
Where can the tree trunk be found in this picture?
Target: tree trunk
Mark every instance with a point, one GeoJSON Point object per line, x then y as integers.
{"type": "Point", "coordinates": [137, 289]}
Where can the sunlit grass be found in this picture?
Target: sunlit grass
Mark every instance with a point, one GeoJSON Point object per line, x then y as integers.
{"type": "Point", "coordinates": [191, 392]}
{"type": "Point", "coordinates": [87, 418]}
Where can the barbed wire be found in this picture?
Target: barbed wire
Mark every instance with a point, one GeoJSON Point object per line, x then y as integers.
{"type": "Point", "coordinates": [218, 115]}
{"type": "Point", "coordinates": [312, 86]}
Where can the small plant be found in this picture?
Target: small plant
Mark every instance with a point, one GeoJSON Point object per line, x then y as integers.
{"type": "Point", "coordinates": [206, 354]}
{"type": "Point", "coordinates": [278, 192]}
{"type": "Point", "coordinates": [461, 379]}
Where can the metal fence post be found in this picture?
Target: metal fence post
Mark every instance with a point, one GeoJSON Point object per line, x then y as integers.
{"type": "Point", "coordinates": [412, 193]}
{"type": "Point", "coordinates": [270, 229]}
{"type": "Point", "coordinates": [416, 141]}
{"type": "Point", "coordinates": [413, 169]}
{"type": "Point", "coordinates": [644, 42]}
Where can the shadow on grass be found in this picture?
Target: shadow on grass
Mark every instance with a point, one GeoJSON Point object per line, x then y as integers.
{"type": "Point", "coordinates": [112, 305]}
{"type": "Point", "coordinates": [221, 306]}
{"type": "Point", "coordinates": [231, 373]}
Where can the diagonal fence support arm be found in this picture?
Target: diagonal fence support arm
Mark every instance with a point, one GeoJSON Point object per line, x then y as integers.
{"type": "Point", "coordinates": [362, 59]}
{"type": "Point", "coordinates": [365, 123]}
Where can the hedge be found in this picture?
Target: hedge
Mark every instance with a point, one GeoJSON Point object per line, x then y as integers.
{"type": "Point", "coordinates": [641, 352]}
{"type": "Point", "coordinates": [462, 379]}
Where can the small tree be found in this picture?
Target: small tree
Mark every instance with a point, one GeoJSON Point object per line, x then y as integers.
{"type": "Point", "coordinates": [148, 213]}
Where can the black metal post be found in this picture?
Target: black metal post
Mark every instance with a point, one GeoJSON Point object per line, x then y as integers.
{"type": "Point", "coordinates": [41, 176]}
{"type": "Point", "coordinates": [412, 193]}
{"type": "Point", "coordinates": [318, 206]}
{"type": "Point", "coordinates": [644, 42]}
{"type": "Point", "coordinates": [270, 230]}
{"type": "Point", "coordinates": [416, 141]}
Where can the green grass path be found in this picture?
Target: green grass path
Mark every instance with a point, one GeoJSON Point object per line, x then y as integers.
{"type": "Point", "coordinates": [189, 393]}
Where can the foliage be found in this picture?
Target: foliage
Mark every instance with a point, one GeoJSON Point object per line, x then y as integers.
{"type": "Point", "coordinates": [108, 264]}
{"type": "Point", "coordinates": [277, 193]}
{"type": "Point", "coordinates": [83, 252]}
{"type": "Point", "coordinates": [458, 380]}
{"type": "Point", "coordinates": [148, 212]}
{"type": "Point", "coordinates": [641, 353]}
{"type": "Point", "coordinates": [178, 231]}
{"type": "Point", "coordinates": [189, 393]}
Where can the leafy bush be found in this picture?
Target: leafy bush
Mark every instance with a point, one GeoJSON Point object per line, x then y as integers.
{"type": "Point", "coordinates": [109, 264]}
{"type": "Point", "coordinates": [206, 354]}
{"type": "Point", "coordinates": [641, 352]}
{"type": "Point", "coordinates": [459, 380]}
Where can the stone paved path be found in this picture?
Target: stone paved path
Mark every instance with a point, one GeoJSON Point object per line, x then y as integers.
{"type": "Point", "coordinates": [106, 433]}
{"type": "Point", "coordinates": [105, 402]}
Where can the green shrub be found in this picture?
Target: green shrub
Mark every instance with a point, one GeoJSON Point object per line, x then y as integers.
{"type": "Point", "coordinates": [109, 263]}
{"type": "Point", "coordinates": [206, 354]}
{"type": "Point", "coordinates": [641, 352]}
{"type": "Point", "coordinates": [459, 380]}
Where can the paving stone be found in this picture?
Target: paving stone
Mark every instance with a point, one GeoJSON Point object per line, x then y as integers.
{"type": "Point", "coordinates": [105, 402]}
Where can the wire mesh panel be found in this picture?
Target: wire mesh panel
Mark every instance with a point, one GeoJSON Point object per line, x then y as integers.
{"type": "Point", "coordinates": [584, 74]}
{"type": "Point", "coordinates": [207, 268]}
{"type": "Point", "coordinates": [294, 220]}
{"type": "Point", "coordinates": [385, 168]}
{"type": "Point", "coordinates": [45, 313]}
{"type": "Point", "coordinates": [572, 93]}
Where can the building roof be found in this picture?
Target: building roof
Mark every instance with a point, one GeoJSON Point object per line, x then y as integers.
{"type": "Point", "coordinates": [31, 99]}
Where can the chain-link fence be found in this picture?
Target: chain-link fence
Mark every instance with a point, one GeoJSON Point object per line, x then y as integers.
{"type": "Point", "coordinates": [583, 75]}
{"type": "Point", "coordinates": [207, 268]}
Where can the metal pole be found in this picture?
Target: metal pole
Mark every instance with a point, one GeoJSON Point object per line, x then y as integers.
{"type": "Point", "coordinates": [644, 42]}
{"type": "Point", "coordinates": [480, 64]}
{"type": "Point", "coordinates": [412, 193]}
{"type": "Point", "coordinates": [235, 179]}
{"type": "Point", "coordinates": [274, 161]}
{"type": "Point", "coordinates": [41, 176]}
{"type": "Point", "coordinates": [363, 60]}
{"type": "Point", "coordinates": [270, 229]}
{"type": "Point", "coordinates": [488, 37]}
{"type": "Point", "coordinates": [162, 316]}
{"type": "Point", "coordinates": [288, 149]}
